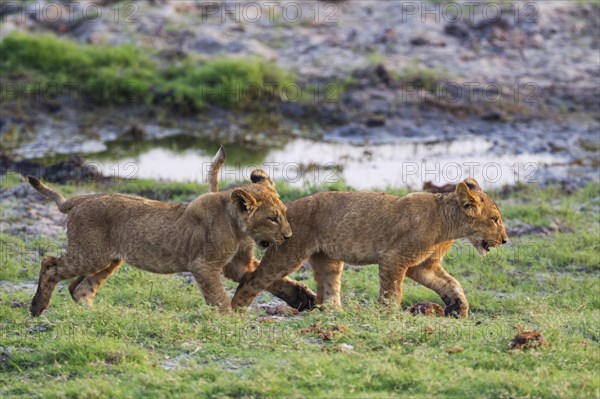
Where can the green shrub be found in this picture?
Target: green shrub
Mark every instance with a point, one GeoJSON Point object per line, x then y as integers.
{"type": "Point", "coordinates": [124, 74]}
{"type": "Point", "coordinates": [227, 82]}
{"type": "Point", "coordinates": [106, 75]}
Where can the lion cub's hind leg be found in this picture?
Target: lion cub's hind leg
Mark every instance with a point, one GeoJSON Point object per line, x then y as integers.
{"type": "Point", "coordinates": [75, 262]}
{"type": "Point", "coordinates": [328, 274]}
{"type": "Point", "coordinates": [85, 287]}
{"type": "Point", "coordinates": [52, 271]}
{"type": "Point", "coordinates": [74, 283]}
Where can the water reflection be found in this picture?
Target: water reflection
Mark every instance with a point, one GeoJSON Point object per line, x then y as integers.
{"type": "Point", "coordinates": [301, 161]}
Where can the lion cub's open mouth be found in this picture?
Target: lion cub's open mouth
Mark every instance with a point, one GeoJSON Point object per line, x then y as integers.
{"type": "Point", "coordinates": [483, 247]}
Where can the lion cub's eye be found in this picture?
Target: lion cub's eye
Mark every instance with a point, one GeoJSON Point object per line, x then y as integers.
{"type": "Point", "coordinates": [274, 219]}
{"type": "Point", "coordinates": [495, 219]}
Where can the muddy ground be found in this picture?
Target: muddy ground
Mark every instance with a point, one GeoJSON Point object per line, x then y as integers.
{"type": "Point", "coordinates": [524, 76]}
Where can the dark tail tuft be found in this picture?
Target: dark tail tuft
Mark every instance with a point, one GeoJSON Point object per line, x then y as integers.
{"type": "Point", "coordinates": [34, 181]}
{"type": "Point", "coordinates": [48, 193]}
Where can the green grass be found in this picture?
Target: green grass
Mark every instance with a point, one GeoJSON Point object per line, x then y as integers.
{"type": "Point", "coordinates": [115, 74]}
{"type": "Point", "coordinates": [150, 335]}
{"type": "Point", "coordinates": [230, 83]}
{"type": "Point", "coordinates": [123, 74]}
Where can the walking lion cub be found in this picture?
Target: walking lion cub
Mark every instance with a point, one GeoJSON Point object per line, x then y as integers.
{"type": "Point", "coordinates": [406, 236]}
{"type": "Point", "coordinates": [208, 237]}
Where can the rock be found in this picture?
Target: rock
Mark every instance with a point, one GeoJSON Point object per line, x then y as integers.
{"type": "Point", "coordinates": [36, 329]}
{"type": "Point", "coordinates": [517, 228]}
{"type": "Point", "coordinates": [135, 132]}
{"type": "Point", "coordinates": [375, 120]}
{"type": "Point", "coordinates": [28, 214]}
{"type": "Point", "coordinates": [24, 167]}
{"type": "Point", "coordinates": [425, 41]}
{"type": "Point", "coordinates": [208, 43]}
{"type": "Point", "coordinates": [212, 43]}
{"type": "Point", "coordinates": [279, 310]}
{"type": "Point", "coordinates": [383, 75]}
{"type": "Point", "coordinates": [344, 348]}
{"type": "Point", "coordinates": [351, 131]}
{"type": "Point", "coordinates": [326, 334]}
{"type": "Point", "coordinates": [427, 309]}
{"type": "Point", "coordinates": [21, 192]}
{"type": "Point", "coordinates": [494, 116]}
{"type": "Point", "coordinates": [419, 41]}
{"type": "Point", "coordinates": [388, 36]}
{"type": "Point", "coordinates": [6, 354]}
{"type": "Point", "coordinates": [454, 349]}
{"type": "Point", "coordinates": [528, 339]}
{"type": "Point", "coordinates": [507, 30]}
{"type": "Point", "coordinates": [457, 30]}
{"type": "Point", "coordinates": [74, 169]}
{"type": "Point", "coordinates": [292, 109]}
{"type": "Point", "coordinates": [180, 361]}
{"type": "Point", "coordinates": [18, 304]}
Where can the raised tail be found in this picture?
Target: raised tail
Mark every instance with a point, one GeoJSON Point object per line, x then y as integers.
{"type": "Point", "coordinates": [48, 192]}
{"type": "Point", "coordinates": [213, 172]}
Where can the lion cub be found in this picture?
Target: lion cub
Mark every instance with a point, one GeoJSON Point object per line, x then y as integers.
{"type": "Point", "coordinates": [406, 236]}
{"type": "Point", "coordinates": [202, 237]}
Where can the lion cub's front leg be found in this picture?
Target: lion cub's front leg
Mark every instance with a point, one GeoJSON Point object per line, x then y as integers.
{"type": "Point", "coordinates": [294, 293]}
{"type": "Point", "coordinates": [432, 275]}
{"type": "Point", "coordinates": [208, 277]}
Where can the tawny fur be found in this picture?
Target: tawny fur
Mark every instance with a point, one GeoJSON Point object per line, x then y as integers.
{"type": "Point", "coordinates": [210, 236]}
{"type": "Point", "coordinates": [294, 293]}
{"type": "Point", "coordinates": [405, 236]}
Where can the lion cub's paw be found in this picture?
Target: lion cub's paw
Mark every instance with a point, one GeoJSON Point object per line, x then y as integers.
{"type": "Point", "coordinates": [457, 308]}
{"type": "Point", "coordinates": [304, 299]}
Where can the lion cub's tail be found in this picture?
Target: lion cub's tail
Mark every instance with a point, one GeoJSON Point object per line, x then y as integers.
{"type": "Point", "coordinates": [48, 192]}
{"type": "Point", "coordinates": [213, 172]}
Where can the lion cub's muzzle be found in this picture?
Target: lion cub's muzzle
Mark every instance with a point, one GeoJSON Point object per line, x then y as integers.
{"type": "Point", "coordinates": [264, 244]}
{"type": "Point", "coordinates": [287, 232]}
{"type": "Point", "coordinates": [485, 246]}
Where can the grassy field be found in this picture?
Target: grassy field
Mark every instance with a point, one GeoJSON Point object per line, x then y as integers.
{"type": "Point", "coordinates": [152, 336]}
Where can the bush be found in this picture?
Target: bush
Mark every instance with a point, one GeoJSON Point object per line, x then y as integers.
{"type": "Point", "coordinates": [105, 75]}
{"type": "Point", "coordinates": [227, 82]}
{"type": "Point", "coordinates": [124, 74]}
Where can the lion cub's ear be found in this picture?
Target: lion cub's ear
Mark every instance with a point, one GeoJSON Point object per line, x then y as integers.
{"type": "Point", "coordinates": [472, 184]}
{"type": "Point", "coordinates": [467, 200]}
{"type": "Point", "coordinates": [260, 176]}
{"type": "Point", "coordinates": [243, 201]}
